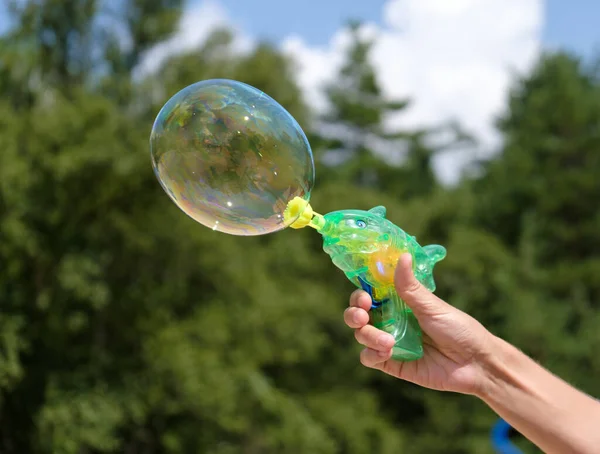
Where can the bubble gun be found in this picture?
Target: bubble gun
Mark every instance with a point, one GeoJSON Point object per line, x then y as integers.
{"type": "Point", "coordinates": [366, 247]}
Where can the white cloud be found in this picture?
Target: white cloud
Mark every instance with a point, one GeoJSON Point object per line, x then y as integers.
{"type": "Point", "coordinates": [454, 60]}
{"type": "Point", "coordinates": [197, 23]}
{"type": "Point", "coordinates": [319, 64]}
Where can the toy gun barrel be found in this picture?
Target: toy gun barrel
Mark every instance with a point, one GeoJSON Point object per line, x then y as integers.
{"type": "Point", "coordinates": [300, 210]}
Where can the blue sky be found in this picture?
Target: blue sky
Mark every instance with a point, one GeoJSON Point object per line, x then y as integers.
{"type": "Point", "coordinates": [475, 99]}
{"type": "Point", "coordinates": [568, 24]}
{"type": "Point", "coordinates": [454, 59]}
{"type": "Point", "coordinates": [573, 25]}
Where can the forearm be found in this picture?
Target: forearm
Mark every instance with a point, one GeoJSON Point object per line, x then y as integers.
{"type": "Point", "coordinates": [549, 412]}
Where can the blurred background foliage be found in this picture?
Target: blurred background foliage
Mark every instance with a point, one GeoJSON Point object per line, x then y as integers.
{"type": "Point", "coordinates": [125, 327]}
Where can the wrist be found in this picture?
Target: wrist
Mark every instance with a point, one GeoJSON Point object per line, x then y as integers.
{"type": "Point", "coordinates": [552, 414]}
{"type": "Point", "coordinates": [498, 366]}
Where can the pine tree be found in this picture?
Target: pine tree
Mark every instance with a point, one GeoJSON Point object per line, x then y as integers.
{"type": "Point", "coordinates": [539, 196]}
{"type": "Point", "coordinates": [352, 141]}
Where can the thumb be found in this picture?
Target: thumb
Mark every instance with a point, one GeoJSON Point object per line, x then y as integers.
{"type": "Point", "coordinates": [415, 295]}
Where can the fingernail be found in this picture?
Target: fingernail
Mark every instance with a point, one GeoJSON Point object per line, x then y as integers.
{"type": "Point", "coordinates": [356, 317]}
{"type": "Point", "coordinates": [385, 340]}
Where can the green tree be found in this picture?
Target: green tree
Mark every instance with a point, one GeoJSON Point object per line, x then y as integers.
{"type": "Point", "coordinates": [352, 128]}
{"type": "Point", "coordinates": [127, 327]}
{"type": "Point", "coordinates": [61, 44]}
{"type": "Point", "coordinates": [539, 196]}
{"type": "Point", "coordinates": [353, 140]}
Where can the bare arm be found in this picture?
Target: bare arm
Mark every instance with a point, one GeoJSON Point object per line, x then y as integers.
{"type": "Point", "coordinates": [462, 356]}
{"type": "Point", "coordinates": [549, 412]}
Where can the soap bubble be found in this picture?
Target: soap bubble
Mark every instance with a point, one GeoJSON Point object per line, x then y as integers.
{"type": "Point", "coordinates": [231, 157]}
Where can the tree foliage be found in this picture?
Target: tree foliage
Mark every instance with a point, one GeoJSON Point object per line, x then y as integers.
{"type": "Point", "coordinates": [125, 327]}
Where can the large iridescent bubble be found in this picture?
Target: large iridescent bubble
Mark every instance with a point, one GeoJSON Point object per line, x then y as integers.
{"type": "Point", "coordinates": [231, 157]}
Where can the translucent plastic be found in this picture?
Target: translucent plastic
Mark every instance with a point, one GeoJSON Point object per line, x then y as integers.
{"type": "Point", "coordinates": [366, 247]}
{"type": "Point", "coordinates": [231, 157]}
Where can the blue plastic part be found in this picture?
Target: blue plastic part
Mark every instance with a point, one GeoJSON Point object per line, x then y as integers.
{"type": "Point", "coordinates": [369, 289]}
{"type": "Point", "coordinates": [500, 439]}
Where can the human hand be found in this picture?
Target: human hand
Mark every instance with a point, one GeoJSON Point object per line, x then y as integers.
{"type": "Point", "coordinates": [456, 346]}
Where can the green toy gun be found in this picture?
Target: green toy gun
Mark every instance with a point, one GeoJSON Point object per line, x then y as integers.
{"type": "Point", "coordinates": [366, 247]}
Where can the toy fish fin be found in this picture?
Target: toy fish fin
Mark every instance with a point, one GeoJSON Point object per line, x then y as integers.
{"type": "Point", "coordinates": [378, 211]}
{"type": "Point", "coordinates": [435, 252]}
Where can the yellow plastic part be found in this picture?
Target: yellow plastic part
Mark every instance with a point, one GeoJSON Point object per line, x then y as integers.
{"type": "Point", "coordinates": [301, 209]}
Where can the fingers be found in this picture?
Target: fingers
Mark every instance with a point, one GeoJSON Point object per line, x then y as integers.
{"type": "Point", "coordinates": [356, 316]}
{"type": "Point", "coordinates": [361, 299]}
{"type": "Point", "coordinates": [416, 296]}
{"type": "Point", "coordinates": [379, 343]}
{"type": "Point", "coordinates": [375, 359]}
{"type": "Point", "coordinates": [373, 338]}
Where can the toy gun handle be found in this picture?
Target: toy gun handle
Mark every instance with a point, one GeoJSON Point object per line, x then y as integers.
{"type": "Point", "coordinates": [390, 313]}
